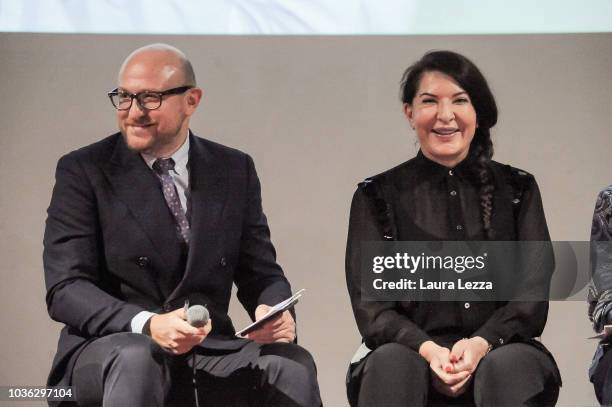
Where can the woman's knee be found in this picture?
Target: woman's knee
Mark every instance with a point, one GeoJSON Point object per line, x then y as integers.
{"type": "Point", "coordinates": [396, 359]}
{"type": "Point", "coordinates": [393, 375]}
{"type": "Point", "coordinates": [516, 374]}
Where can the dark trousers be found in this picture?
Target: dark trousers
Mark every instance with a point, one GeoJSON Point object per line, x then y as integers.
{"type": "Point", "coordinates": [602, 378]}
{"type": "Point", "coordinates": [512, 375]}
{"type": "Point", "coordinates": [128, 369]}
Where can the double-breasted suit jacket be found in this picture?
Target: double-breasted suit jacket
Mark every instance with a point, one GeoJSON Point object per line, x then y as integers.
{"type": "Point", "coordinates": [111, 249]}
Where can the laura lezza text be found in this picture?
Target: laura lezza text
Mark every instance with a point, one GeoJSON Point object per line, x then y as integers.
{"type": "Point", "coordinates": [420, 284]}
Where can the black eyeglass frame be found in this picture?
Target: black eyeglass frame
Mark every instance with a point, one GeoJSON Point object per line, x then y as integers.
{"type": "Point", "coordinates": [137, 96]}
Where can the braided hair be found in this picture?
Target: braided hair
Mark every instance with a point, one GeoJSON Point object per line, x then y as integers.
{"type": "Point", "coordinates": [469, 77]}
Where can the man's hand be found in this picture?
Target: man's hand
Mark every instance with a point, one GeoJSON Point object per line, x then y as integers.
{"type": "Point", "coordinates": [279, 329]}
{"type": "Point", "coordinates": [174, 334]}
{"type": "Point", "coordinates": [467, 353]}
{"type": "Point", "coordinates": [445, 378]}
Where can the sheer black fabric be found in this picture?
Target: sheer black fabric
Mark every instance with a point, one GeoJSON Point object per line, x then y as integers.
{"type": "Point", "coordinates": [432, 202]}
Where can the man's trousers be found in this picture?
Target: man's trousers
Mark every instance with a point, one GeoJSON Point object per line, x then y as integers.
{"type": "Point", "coordinates": [128, 369]}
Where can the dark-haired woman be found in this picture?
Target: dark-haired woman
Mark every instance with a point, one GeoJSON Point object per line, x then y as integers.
{"type": "Point", "coordinates": [483, 353]}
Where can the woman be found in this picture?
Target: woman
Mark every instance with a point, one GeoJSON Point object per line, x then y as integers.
{"type": "Point", "coordinates": [469, 353]}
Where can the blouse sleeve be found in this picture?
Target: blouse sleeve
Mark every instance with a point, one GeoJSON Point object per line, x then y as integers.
{"type": "Point", "coordinates": [518, 321]}
{"type": "Point", "coordinates": [378, 322]}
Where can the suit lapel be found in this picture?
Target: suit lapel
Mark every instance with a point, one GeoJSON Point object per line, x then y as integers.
{"type": "Point", "coordinates": [208, 188]}
{"type": "Point", "coordinates": [137, 187]}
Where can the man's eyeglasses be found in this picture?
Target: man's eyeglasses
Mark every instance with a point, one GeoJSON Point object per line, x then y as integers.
{"type": "Point", "coordinates": [147, 100]}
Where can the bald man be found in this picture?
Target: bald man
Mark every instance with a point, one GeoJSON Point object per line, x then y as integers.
{"type": "Point", "coordinates": [146, 220]}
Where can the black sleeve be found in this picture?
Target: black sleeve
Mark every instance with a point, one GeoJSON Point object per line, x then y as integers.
{"type": "Point", "coordinates": [518, 321]}
{"type": "Point", "coordinates": [72, 258]}
{"type": "Point", "coordinates": [378, 322]}
{"type": "Point", "coordinates": [259, 278]}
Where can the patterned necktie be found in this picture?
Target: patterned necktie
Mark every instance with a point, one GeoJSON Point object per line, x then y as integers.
{"type": "Point", "coordinates": [163, 167]}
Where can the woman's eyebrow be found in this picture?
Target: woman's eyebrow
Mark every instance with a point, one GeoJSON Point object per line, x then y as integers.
{"type": "Point", "coordinates": [431, 94]}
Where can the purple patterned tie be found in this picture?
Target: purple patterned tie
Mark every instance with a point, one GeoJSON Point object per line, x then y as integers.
{"type": "Point", "coordinates": [163, 167]}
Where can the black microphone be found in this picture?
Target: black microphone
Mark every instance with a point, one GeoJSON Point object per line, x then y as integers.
{"type": "Point", "coordinates": [197, 316]}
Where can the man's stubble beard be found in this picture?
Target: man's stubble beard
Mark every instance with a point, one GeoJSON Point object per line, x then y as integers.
{"type": "Point", "coordinates": [155, 144]}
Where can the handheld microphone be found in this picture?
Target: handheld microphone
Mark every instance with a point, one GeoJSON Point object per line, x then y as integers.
{"type": "Point", "coordinates": [197, 316]}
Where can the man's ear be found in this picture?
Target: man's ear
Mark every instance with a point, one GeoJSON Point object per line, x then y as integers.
{"type": "Point", "coordinates": [408, 112]}
{"type": "Point", "coordinates": [193, 98]}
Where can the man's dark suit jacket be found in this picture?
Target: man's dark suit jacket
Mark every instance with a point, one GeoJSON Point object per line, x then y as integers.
{"type": "Point", "coordinates": [111, 249]}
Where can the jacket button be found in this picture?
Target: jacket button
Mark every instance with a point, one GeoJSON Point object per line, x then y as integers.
{"type": "Point", "coordinates": [167, 307]}
{"type": "Point", "coordinates": [466, 305]}
{"type": "Point", "coordinates": [223, 262]}
{"type": "Point", "coordinates": [142, 262]}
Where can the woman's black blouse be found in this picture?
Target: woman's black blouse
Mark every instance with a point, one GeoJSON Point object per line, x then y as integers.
{"type": "Point", "coordinates": [433, 202]}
